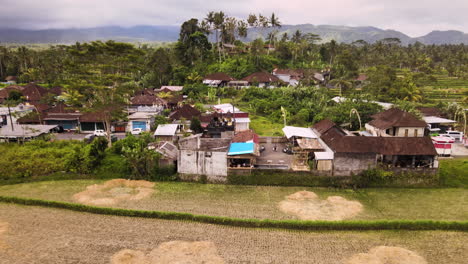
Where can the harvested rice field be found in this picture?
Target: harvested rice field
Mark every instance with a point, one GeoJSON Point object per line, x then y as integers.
{"type": "Point", "coordinates": [44, 235]}
{"type": "Point", "coordinates": [259, 201]}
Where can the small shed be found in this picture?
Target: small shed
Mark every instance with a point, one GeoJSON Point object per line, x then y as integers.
{"type": "Point", "coordinates": [166, 132]}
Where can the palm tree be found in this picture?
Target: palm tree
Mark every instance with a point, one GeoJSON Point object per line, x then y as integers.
{"type": "Point", "coordinates": [274, 23]}
{"type": "Point", "coordinates": [342, 83]}
{"type": "Point", "coordinates": [218, 22]}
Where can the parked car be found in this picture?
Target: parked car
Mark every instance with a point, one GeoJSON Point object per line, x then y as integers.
{"type": "Point", "coordinates": [457, 135]}
{"type": "Point", "coordinates": [99, 133]}
{"type": "Point", "coordinates": [449, 139]}
{"type": "Point", "coordinates": [262, 148]}
{"type": "Point", "coordinates": [58, 129]}
{"type": "Point", "coordinates": [137, 131]}
{"type": "Point", "coordinates": [288, 150]}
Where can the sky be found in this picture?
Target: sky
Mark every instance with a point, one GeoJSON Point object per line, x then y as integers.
{"type": "Point", "coordinates": [412, 17]}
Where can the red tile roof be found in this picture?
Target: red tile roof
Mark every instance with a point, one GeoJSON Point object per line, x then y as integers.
{"type": "Point", "coordinates": [261, 77]}
{"type": "Point", "coordinates": [246, 135]}
{"type": "Point", "coordinates": [186, 111]}
{"type": "Point", "coordinates": [147, 99]}
{"type": "Point", "coordinates": [395, 117]}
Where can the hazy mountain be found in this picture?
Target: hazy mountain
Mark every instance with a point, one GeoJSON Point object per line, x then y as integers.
{"type": "Point", "coordinates": [170, 33]}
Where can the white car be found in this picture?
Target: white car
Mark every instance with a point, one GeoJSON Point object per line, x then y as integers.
{"type": "Point", "coordinates": [99, 133]}
{"type": "Point", "coordinates": [136, 131]}
{"type": "Point", "coordinates": [448, 138]}
{"type": "Point", "coordinates": [457, 135]}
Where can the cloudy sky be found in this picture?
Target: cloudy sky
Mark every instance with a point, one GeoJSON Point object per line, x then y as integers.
{"type": "Point", "coordinates": [412, 17]}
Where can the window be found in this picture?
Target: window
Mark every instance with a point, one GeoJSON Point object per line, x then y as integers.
{"type": "Point", "coordinates": [208, 154]}
{"type": "Point", "coordinates": [406, 132]}
{"type": "Point", "coordinates": [415, 132]}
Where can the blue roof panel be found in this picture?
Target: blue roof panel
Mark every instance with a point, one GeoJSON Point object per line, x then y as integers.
{"type": "Point", "coordinates": [241, 148]}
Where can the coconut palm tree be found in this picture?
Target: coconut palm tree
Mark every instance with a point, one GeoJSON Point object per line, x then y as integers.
{"type": "Point", "coordinates": [342, 83]}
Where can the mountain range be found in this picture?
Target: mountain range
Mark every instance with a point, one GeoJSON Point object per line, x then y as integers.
{"type": "Point", "coordinates": [170, 33]}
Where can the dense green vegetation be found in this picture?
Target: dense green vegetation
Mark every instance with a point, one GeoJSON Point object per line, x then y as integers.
{"type": "Point", "coordinates": [128, 158]}
{"type": "Point", "coordinates": [103, 75]}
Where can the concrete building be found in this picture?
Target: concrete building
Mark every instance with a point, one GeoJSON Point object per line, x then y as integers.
{"type": "Point", "coordinates": [167, 132]}
{"type": "Point", "coordinates": [141, 120]}
{"type": "Point", "coordinates": [354, 154]}
{"type": "Point", "coordinates": [203, 156]}
{"type": "Point", "coordinates": [396, 123]}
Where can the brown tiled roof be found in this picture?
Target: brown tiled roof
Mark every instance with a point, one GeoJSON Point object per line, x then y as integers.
{"type": "Point", "coordinates": [431, 111]}
{"type": "Point", "coordinates": [11, 78]}
{"type": "Point", "coordinates": [147, 100]}
{"type": "Point", "coordinates": [323, 126]}
{"type": "Point", "coordinates": [42, 107]}
{"type": "Point", "coordinates": [246, 135]}
{"type": "Point", "coordinates": [299, 73]}
{"type": "Point", "coordinates": [92, 117]}
{"type": "Point", "coordinates": [395, 117]}
{"type": "Point", "coordinates": [219, 76]}
{"type": "Point", "coordinates": [339, 142]}
{"type": "Point", "coordinates": [261, 77]}
{"type": "Point", "coordinates": [34, 92]}
{"type": "Point", "coordinates": [406, 146]}
{"type": "Point", "coordinates": [186, 111]}
{"type": "Point", "coordinates": [4, 93]}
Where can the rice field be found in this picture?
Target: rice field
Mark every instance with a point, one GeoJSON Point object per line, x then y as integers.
{"type": "Point", "coordinates": [262, 202]}
{"type": "Point", "coordinates": [44, 235]}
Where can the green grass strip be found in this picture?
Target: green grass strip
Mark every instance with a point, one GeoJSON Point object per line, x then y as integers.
{"type": "Point", "coordinates": [251, 223]}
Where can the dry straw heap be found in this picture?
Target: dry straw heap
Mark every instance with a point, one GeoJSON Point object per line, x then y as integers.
{"type": "Point", "coordinates": [387, 255]}
{"type": "Point", "coordinates": [171, 253]}
{"type": "Point", "coordinates": [115, 191]}
{"type": "Point", "coordinates": [308, 206]}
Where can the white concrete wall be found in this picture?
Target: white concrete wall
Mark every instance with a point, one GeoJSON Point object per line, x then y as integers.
{"type": "Point", "coordinates": [242, 126]}
{"type": "Point", "coordinates": [198, 163]}
{"type": "Point", "coordinates": [400, 131]}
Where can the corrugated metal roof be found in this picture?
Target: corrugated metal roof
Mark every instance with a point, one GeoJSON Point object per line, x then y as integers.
{"type": "Point", "coordinates": [303, 132]}
{"type": "Point", "coordinates": [437, 120]}
{"type": "Point", "coordinates": [326, 155]}
{"type": "Point", "coordinates": [166, 130]}
{"type": "Point", "coordinates": [241, 148]}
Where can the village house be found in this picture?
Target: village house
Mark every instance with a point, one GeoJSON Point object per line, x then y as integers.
{"type": "Point", "coordinates": [436, 120]}
{"type": "Point", "coordinates": [243, 150]}
{"type": "Point", "coordinates": [263, 79]}
{"type": "Point", "coordinates": [396, 123]}
{"type": "Point", "coordinates": [167, 132]}
{"type": "Point", "coordinates": [184, 115]}
{"type": "Point", "coordinates": [303, 142]}
{"type": "Point", "coordinates": [142, 120]}
{"type": "Point", "coordinates": [147, 103]}
{"type": "Point", "coordinates": [291, 77]}
{"type": "Point", "coordinates": [11, 80]}
{"type": "Point", "coordinates": [203, 156]}
{"type": "Point", "coordinates": [168, 88]}
{"type": "Point", "coordinates": [241, 119]}
{"type": "Point", "coordinates": [353, 154]}
{"type": "Point", "coordinates": [218, 79]}
{"type": "Point", "coordinates": [168, 152]}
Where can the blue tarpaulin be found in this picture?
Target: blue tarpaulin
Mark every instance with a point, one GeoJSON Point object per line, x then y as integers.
{"type": "Point", "coordinates": [241, 148]}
